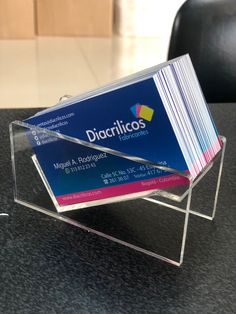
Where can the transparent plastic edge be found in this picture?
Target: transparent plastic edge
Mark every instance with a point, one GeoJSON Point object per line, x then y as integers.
{"type": "Point", "coordinates": [101, 148]}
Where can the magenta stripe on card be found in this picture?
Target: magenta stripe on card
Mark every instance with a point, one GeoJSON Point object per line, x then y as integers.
{"type": "Point", "coordinates": [121, 189]}
{"type": "Point", "coordinates": [216, 145]}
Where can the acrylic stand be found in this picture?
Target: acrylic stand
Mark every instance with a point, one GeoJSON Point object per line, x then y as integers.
{"type": "Point", "coordinates": [154, 222]}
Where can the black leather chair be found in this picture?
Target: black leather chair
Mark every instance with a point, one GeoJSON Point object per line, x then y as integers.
{"type": "Point", "coordinates": [206, 29]}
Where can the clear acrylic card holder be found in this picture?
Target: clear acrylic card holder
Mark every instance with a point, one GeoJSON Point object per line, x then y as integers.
{"type": "Point", "coordinates": [154, 222]}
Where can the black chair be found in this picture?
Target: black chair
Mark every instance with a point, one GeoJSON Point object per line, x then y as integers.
{"type": "Point", "coordinates": [206, 29]}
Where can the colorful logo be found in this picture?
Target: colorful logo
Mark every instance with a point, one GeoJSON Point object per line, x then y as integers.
{"type": "Point", "coordinates": [142, 111]}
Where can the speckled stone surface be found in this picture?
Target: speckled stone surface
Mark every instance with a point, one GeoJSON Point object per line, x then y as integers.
{"type": "Point", "coordinates": [47, 266]}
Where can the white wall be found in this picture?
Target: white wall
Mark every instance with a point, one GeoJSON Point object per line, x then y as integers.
{"type": "Point", "coordinates": [145, 17]}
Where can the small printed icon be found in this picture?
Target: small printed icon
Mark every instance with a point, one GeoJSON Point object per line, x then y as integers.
{"type": "Point", "coordinates": [67, 170]}
{"type": "Point", "coordinates": [142, 111]}
{"type": "Point", "coordinates": [105, 181]}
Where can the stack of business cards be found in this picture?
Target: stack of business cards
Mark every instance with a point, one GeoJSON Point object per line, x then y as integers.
{"type": "Point", "coordinates": [158, 115]}
{"type": "Point", "coordinates": [188, 113]}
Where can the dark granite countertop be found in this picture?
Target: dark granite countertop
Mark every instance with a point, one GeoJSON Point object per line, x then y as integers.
{"type": "Point", "coordinates": [48, 266]}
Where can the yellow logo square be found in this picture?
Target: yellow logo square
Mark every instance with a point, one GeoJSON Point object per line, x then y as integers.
{"type": "Point", "coordinates": [146, 113]}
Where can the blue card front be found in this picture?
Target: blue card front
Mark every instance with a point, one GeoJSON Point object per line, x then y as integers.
{"type": "Point", "coordinates": [130, 120]}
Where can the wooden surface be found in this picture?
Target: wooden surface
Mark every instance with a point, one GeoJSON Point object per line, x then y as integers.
{"type": "Point", "coordinates": [74, 17]}
{"type": "Point", "coordinates": [17, 19]}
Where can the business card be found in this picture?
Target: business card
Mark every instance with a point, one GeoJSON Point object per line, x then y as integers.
{"type": "Point", "coordinates": [158, 118]}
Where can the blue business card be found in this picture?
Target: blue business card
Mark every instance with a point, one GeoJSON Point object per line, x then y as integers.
{"type": "Point", "coordinates": [130, 120]}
